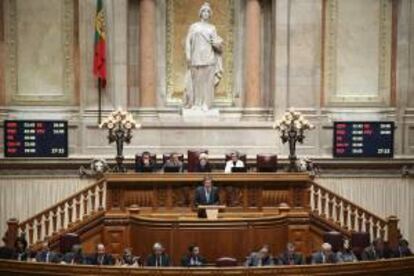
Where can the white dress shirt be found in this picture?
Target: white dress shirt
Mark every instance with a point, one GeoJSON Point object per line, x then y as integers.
{"type": "Point", "coordinates": [230, 165]}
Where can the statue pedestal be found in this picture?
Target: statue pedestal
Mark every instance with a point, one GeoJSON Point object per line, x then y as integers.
{"type": "Point", "coordinates": [197, 114]}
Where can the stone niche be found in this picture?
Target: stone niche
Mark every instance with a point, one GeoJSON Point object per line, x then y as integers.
{"type": "Point", "coordinates": [358, 52]}
{"type": "Point", "coordinates": [178, 23]}
{"type": "Point", "coordinates": [39, 52]}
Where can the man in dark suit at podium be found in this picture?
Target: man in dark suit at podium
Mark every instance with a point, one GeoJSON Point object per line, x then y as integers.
{"type": "Point", "coordinates": [206, 194]}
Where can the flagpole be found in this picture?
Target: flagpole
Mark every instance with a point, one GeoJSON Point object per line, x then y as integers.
{"type": "Point", "coordinates": [99, 101]}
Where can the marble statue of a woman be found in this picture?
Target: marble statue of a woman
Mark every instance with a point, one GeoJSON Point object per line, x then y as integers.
{"type": "Point", "coordinates": [203, 49]}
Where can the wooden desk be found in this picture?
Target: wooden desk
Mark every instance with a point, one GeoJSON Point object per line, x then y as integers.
{"type": "Point", "coordinates": [387, 267]}
{"type": "Point", "coordinates": [238, 191]}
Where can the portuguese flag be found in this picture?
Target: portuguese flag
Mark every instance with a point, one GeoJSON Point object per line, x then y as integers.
{"type": "Point", "coordinates": [99, 61]}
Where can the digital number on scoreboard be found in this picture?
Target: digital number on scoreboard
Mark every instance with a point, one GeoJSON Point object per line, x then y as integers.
{"type": "Point", "coordinates": [35, 138]}
{"type": "Point", "coordinates": [364, 139]}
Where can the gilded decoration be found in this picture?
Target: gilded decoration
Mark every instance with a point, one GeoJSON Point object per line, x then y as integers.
{"type": "Point", "coordinates": [180, 15]}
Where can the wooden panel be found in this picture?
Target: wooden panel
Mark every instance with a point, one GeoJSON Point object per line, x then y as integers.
{"type": "Point", "coordinates": [384, 267]}
{"type": "Point", "coordinates": [115, 238]}
{"type": "Point", "coordinates": [300, 236]}
{"type": "Point", "coordinates": [239, 191]}
{"type": "Point", "coordinates": [144, 237]}
{"type": "Point", "coordinates": [216, 239]}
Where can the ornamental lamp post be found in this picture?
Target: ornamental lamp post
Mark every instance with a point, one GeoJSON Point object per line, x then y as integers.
{"type": "Point", "coordinates": [119, 124]}
{"type": "Point", "coordinates": [292, 127]}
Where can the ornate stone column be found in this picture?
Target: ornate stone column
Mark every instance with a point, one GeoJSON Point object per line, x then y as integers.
{"type": "Point", "coordinates": [147, 52]}
{"type": "Point", "coordinates": [252, 55]}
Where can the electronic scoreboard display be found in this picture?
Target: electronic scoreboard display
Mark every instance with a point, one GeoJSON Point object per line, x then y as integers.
{"type": "Point", "coordinates": [363, 139]}
{"type": "Point", "coordinates": [35, 138]}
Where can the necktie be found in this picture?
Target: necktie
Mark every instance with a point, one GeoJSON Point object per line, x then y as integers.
{"type": "Point", "coordinates": [47, 257]}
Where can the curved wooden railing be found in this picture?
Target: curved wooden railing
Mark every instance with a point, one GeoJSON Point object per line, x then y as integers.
{"type": "Point", "coordinates": [60, 216]}
{"type": "Point", "coordinates": [351, 217]}
{"type": "Point", "coordinates": [403, 266]}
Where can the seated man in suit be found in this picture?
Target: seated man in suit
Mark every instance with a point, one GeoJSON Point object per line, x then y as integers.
{"type": "Point", "coordinates": [290, 256]}
{"type": "Point", "coordinates": [260, 258]}
{"type": "Point", "coordinates": [21, 252]}
{"type": "Point", "coordinates": [158, 257]}
{"type": "Point", "coordinates": [203, 165]}
{"type": "Point", "coordinates": [206, 194]}
{"type": "Point", "coordinates": [146, 164]}
{"type": "Point", "coordinates": [75, 256]}
{"type": "Point", "coordinates": [193, 257]}
{"type": "Point", "coordinates": [101, 257]}
{"type": "Point", "coordinates": [325, 256]}
{"type": "Point", "coordinates": [46, 255]}
{"type": "Point", "coordinates": [234, 162]}
{"type": "Point", "coordinates": [174, 162]}
{"type": "Point", "coordinates": [376, 251]}
{"type": "Point", "coordinates": [403, 250]}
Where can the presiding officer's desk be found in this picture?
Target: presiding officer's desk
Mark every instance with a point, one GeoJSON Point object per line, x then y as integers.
{"type": "Point", "coordinates": [386, 267]}
{"type": "Point", "coordinates": [260, 208]}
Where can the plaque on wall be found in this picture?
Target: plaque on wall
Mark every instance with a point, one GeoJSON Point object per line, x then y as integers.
{"type": "Point", "coordinates": [35, 138]}
{"type": "Point", "coordinates": [363, 139]}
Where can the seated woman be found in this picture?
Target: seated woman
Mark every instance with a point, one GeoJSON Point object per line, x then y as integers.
{"type": "Point", "coordinates": [203, 165]}
{"type": "Point", "coordinates": [146, 164]}
{"type": "Point", "coordinates": [173, 164]}
{"type": "Point", "coordinates": [234, 162]}
{"type": "Point", "coordinates": [128, 259]}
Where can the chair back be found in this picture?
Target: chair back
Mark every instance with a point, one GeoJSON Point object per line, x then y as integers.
{"type": "Point", "coordinates": [193, 159]}
{"type": "Point", "coordinates": [138, 160]}
{"type": "Point", "coordinates": [226, 262]}
{"type": "Point", "coordinates": [67, 241]}
{"type": "Point", "coordinates": [335, 239]}
{"type": "Point", "coordinates": [266, 162]}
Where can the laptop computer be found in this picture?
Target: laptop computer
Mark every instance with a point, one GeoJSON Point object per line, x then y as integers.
{"type": "Point", "coordinates": [239, 169]}
{"type": "Point", "coordinates": [172, 169]}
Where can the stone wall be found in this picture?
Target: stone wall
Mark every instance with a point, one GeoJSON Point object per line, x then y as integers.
{"type": "Point", "coordinates": [47, 57]}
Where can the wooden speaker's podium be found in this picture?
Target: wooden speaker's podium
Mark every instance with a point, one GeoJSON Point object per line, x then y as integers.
{"type": "Point", "coordinates": [209, 211]}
